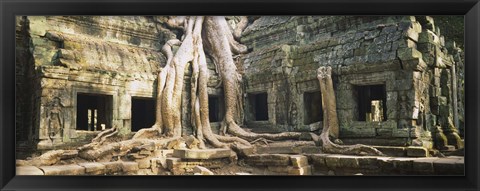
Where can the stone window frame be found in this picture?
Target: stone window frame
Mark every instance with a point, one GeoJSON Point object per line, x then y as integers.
{"type": "Point", "coordinates": [99, 91]}
{"type": "Point", "coordinates": [385, 78]}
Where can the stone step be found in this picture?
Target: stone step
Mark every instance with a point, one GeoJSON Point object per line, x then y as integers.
{"type": "Point", "coordinates": [202, 154]}
{"type": "Point", "coordinates": [28, 170]}
{"type": "Point", "coordinates": [71, 169]}
{"type": "Point", "coordinates": [297, 147]}
{"type": "Point", "coordinates": [453, 165]}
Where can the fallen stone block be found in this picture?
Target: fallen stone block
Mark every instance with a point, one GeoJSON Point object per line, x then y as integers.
{"type": "Point", "coordinates": [28, 170]}
{"type": "Point", "coordinates": [162, 153]}
{"type": "Point", "coordinates": [299, 160]}
{"type": "Point", "coordinates": [144, 163]}
{"type": "Point", "coordinates": [113, 167]}
{"type": "Point", "coordinates": [202, 154]}
{"type": "Point", "coordinates": [72, 169]}
{"type": "Point", "coordinates": [93, 168]}
{"type": "Point", "coordinates": [172, 162]}
{"type": "Point", "coordinates": [202, 171]}
{"type": "Point", "coordinates": [129, 166]}
{"type": "Point", "coordinates": [417, 152]}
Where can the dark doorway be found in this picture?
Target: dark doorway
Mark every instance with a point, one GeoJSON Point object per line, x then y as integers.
{"type": "Point", "coordinates": [215, 108]}
{"type": "Point", "coordinates": [143, 113]}
{"type": "Point", "coordinates": [312, 102]}
{"type": "Point", "coordinates": [94, 112]}
{"type": "Point", "coordinates": [259, 105]}
{"type": "Point", "coordinates": [371, 101]}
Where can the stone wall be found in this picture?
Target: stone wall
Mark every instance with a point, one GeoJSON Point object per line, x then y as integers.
{"type": "Point", "coordinates": [113, 56]}
{"type": "Point", "coordinates": [59, 58]}
{"type": "Point", "coordinates": [389, 51]}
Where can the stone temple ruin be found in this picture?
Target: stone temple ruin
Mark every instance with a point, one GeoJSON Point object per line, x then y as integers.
{"type": "Point", "coordinates": [397, 84]}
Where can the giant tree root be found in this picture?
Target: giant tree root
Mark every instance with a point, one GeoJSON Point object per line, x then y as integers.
{"type": "Point", "coordinates": [120, 148]}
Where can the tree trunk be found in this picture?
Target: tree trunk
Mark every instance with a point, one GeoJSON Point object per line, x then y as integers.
{"type": "Point", "coordinates": [218, 38]}
{"type": "Point", "coordinates": [330, 121]}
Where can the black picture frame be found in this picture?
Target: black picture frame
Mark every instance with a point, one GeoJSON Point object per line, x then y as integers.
{"type": "Point", "coordinates": [10, 8]}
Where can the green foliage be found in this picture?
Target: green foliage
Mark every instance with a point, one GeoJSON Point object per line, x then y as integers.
{"type": "Point", "coordinates": [452, 27]}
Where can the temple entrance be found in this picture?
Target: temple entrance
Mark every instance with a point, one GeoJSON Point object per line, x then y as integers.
{"type": "Point", "coordinates": [215, 108]}
{"type": "Point", "coordinates": [94, 112]}
{"type": "Point", "coordinates": [312, 102]}
{"type": "Point", "coordinates": [143, 113]}
{"type": "Point", "coordinates": [259, 106]}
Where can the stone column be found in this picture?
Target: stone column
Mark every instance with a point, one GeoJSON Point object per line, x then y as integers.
{"type": "Point", "coordinates": [454, 97]}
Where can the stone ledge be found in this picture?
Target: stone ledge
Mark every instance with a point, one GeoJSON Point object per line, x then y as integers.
{"type": "Point", "coordinates": [202, 154]}
{"type": "Point", "coordinates": [93, 168]}
{"type": "Point", "coordinates": [395, 165]}
{"type": "Point", "coordinates": [28, 170]}
{"type": "Point", "coordinates": [113, 167]}
{"type": "Point", "coordinates": [71, 169]}
{"type": "Point", "coordinates": [129, 166]}
{"type": "Point", "coordinates": [268, 160]}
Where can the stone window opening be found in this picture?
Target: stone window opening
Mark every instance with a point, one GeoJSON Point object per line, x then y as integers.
{"type": "Point", "coordinates": [94, 112]}
{"type": "Point", "coordinates": [259, 106]}
{"type": "Point", "coordinates": [143, 113]}
{"type": "Point", "coordinates": [312, 102]}
{"type": "Point", "coordinates": [215, 108]}
{"type": "Point", "coordinates": [371, 103]}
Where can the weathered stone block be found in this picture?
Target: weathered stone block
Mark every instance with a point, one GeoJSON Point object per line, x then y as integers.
{"type": "Point", "coordinates": [424, 166]}
{"type": "Point", "coordinates": [403, 164]}
{"type": "Point", "coordinates": [28, 170]}
{"type": "Point", "coordinates": [392, 151]}
{"type": "Point", "coordinates": [305, 170]}
{"type": "Point", "coordinates": [200, 170]}
{"type": "Point", "coordinates": [63, 170]}
{"type": "Point", "coordinates": [449, 166]}
{"type": "Point", "coordinates": [112, 167]}
{"type": "Point", "coordinates": [318, 160]}
{"type": "Point", "coordinates": [268, 159]}
{"type": "Point", "coordinates": [171, 162]}
{"type": "Point", "coordinates": [93, 168]}
{"type": "Point", "coordinates": [144, 163]}
{"type": "Point", "coordinates": [348, 161]}
{"type": "Point", "coordinates": [278, 150]}
{"type": "Point", "coordinates": [202, 154]}
{"type": "Point", "coordinates": [417, 152]}
{"type": "Point", "coordinates": [332, 161]}
{"type": "Point", "coordinates": [129, 166]}
{"type": "Point", "coordinates": [299, 160]}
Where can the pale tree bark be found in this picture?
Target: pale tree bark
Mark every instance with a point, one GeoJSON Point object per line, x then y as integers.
{"type": "Point", "coordinates": [330, 121]}
{"type": "Point", "coordinates": [201, 34]}
{"type": "Point", "coordinates": [218, 37]}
